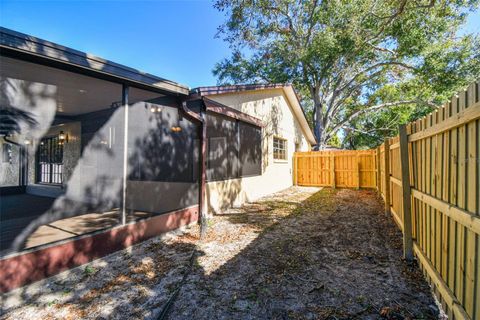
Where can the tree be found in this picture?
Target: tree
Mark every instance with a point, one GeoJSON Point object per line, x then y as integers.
{"type": "Point", "coordinates": [350, 59]}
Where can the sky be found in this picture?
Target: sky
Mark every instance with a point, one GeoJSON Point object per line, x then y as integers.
{"type": "Point", "coordinates": [171, 39]}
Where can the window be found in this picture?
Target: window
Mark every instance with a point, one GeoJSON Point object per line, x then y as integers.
{"type": "Point", "coordinates": [7, 153]}
{"type": "Point", "coordinates": [279, 148]}
{"type": "Point", "coordinates": [50, 161]}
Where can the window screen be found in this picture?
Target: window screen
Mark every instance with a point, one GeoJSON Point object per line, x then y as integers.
{"type": "Point", "coordinates": [250, 150]}
{"type": "Point", "coordinates": [234, 148]}
{"type": "Point", "coordinates": [158, 153]}
{"type": "Point", "coordinates": [163, 161]}
{"type": "Point", "coordinates": [279, 148]}
{"type": "Point", "coordinates": [222, 156]}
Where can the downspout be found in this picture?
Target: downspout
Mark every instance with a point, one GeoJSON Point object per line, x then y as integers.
{"type": "Point", "coordinates": [202, 208]}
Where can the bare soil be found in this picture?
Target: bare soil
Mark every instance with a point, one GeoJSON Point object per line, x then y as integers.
{"type": "Point", "coordinates": [298, 254]}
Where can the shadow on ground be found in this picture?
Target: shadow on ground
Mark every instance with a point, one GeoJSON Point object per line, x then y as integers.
{"type": "Point", "coordinates": [134, 283]}
{"type": "Point", "coordinates": [292, 255]}
{"type": "Point", "coordinates": [333, 256]}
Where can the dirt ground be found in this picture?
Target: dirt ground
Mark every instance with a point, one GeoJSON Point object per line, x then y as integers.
{"type": "Point", "coordinates": [298, 254]}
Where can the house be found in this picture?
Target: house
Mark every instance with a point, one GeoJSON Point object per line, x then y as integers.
{"type": "Point", "coordinates": [284, 130]}
{"type": "Point", "coordinates": [96, 156]}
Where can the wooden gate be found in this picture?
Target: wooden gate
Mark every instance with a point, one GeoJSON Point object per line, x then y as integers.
{"type": "Point", "coordinates": [347, 169]}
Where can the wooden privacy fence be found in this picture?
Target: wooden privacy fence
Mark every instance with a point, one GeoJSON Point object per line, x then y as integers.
{"type": "Point", "coordinates": [429, 177]}
{"type": "Point", "coordinates": [354, 169]}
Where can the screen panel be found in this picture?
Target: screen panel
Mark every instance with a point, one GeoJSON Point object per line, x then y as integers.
{"type": "Point", "coordinates": [250, 150]}
{"type": "Point", "coordinates": [222, 148]}
{"type": "Point", "coordinates": [163, 157]}
{"type": "Point", "coordinates": [64, 144]}
{"type": "Point", "coordinates": [234, 148]}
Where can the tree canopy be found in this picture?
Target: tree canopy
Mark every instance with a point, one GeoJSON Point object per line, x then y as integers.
{"type": "Point", "coordinates": [360, 66]}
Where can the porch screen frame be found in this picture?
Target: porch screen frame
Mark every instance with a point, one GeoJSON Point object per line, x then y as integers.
{"type": "Point", "coordinates": [236, 148]}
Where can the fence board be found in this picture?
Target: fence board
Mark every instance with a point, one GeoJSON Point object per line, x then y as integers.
{"type": "Point", "coordinates": [444, 173]}
{"type": "Point", "coordinates": [444, 149]}
{"type": "Point", "coordinates": [349, 169]}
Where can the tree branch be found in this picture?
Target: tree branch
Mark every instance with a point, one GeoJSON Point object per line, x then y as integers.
{"type": "Point", "coordinates": [397, 13]}
{"type": "Point", "coordinates": [390, 18]}
{"type": "Point", "coordinates": [311, 24]}
{"type": "Point", "coordinates": [382, 49]}
{"type": "Point", "coordinates": [375, 107]}
{"type": "Point", "coordinates": [345, 127]}
{"type": "Point", "coordinates": [374, 66]}
{"type": "Point", "coordinates": [334, 107]}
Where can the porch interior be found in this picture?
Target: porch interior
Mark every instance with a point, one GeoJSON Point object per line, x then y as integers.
{"type": "Point", "coordinates": [64, 158]}
{"type": "Point", "coordinates": [19, 210]}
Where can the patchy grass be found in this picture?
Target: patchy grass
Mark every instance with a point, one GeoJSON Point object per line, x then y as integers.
{"type": "Point", "coordinates": [89, 270]}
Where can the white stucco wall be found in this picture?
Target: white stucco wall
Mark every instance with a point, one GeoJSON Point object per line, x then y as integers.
{"type": "Point", "coordinates": [272, 107]}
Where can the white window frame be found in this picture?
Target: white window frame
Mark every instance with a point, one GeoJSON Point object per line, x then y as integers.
{"type": "Point", "coordinates": [280, 154]}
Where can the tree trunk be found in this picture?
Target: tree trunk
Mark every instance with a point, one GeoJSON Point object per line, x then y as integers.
{"type": "Point", "coordinates": [318, 127]}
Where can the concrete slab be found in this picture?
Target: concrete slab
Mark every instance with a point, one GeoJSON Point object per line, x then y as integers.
{"type": "Point", "coordinates": [17, 211]}
{"type": "Point", "coordinates": [46, 234]}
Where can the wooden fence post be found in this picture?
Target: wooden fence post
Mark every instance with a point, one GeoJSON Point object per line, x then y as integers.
{"type": "Point", "coordinates": [378, 173]}
{"type": "Point", "coordinates": [295, 169]}
{"type": "Point", "coordinates": [357, 160]}
{"type": "Point", "coordinates": [332, 159]}
{"type": "Point", "coordinates": [387, 175]}
{"type": "Point", "coordinates": [407, 215]}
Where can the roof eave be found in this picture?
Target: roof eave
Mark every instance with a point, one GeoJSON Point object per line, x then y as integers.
{"type": "Point", "coordinates": [35, 47]}
{"type": "Point", "coordinates": [215, 90]}
{"type": "Point", "coordinates": [299, 113]}
{"type": "Point", "coordinates": [287, 88]}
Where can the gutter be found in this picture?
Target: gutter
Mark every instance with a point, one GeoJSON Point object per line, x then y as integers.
{"type": "Point", "coordinates": [202, 208]}
{"type": "Point", "coordinates": [216, 107]}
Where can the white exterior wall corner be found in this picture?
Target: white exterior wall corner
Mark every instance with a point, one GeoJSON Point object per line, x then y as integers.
{"type": "Point", "coordinates": [273, 108]}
